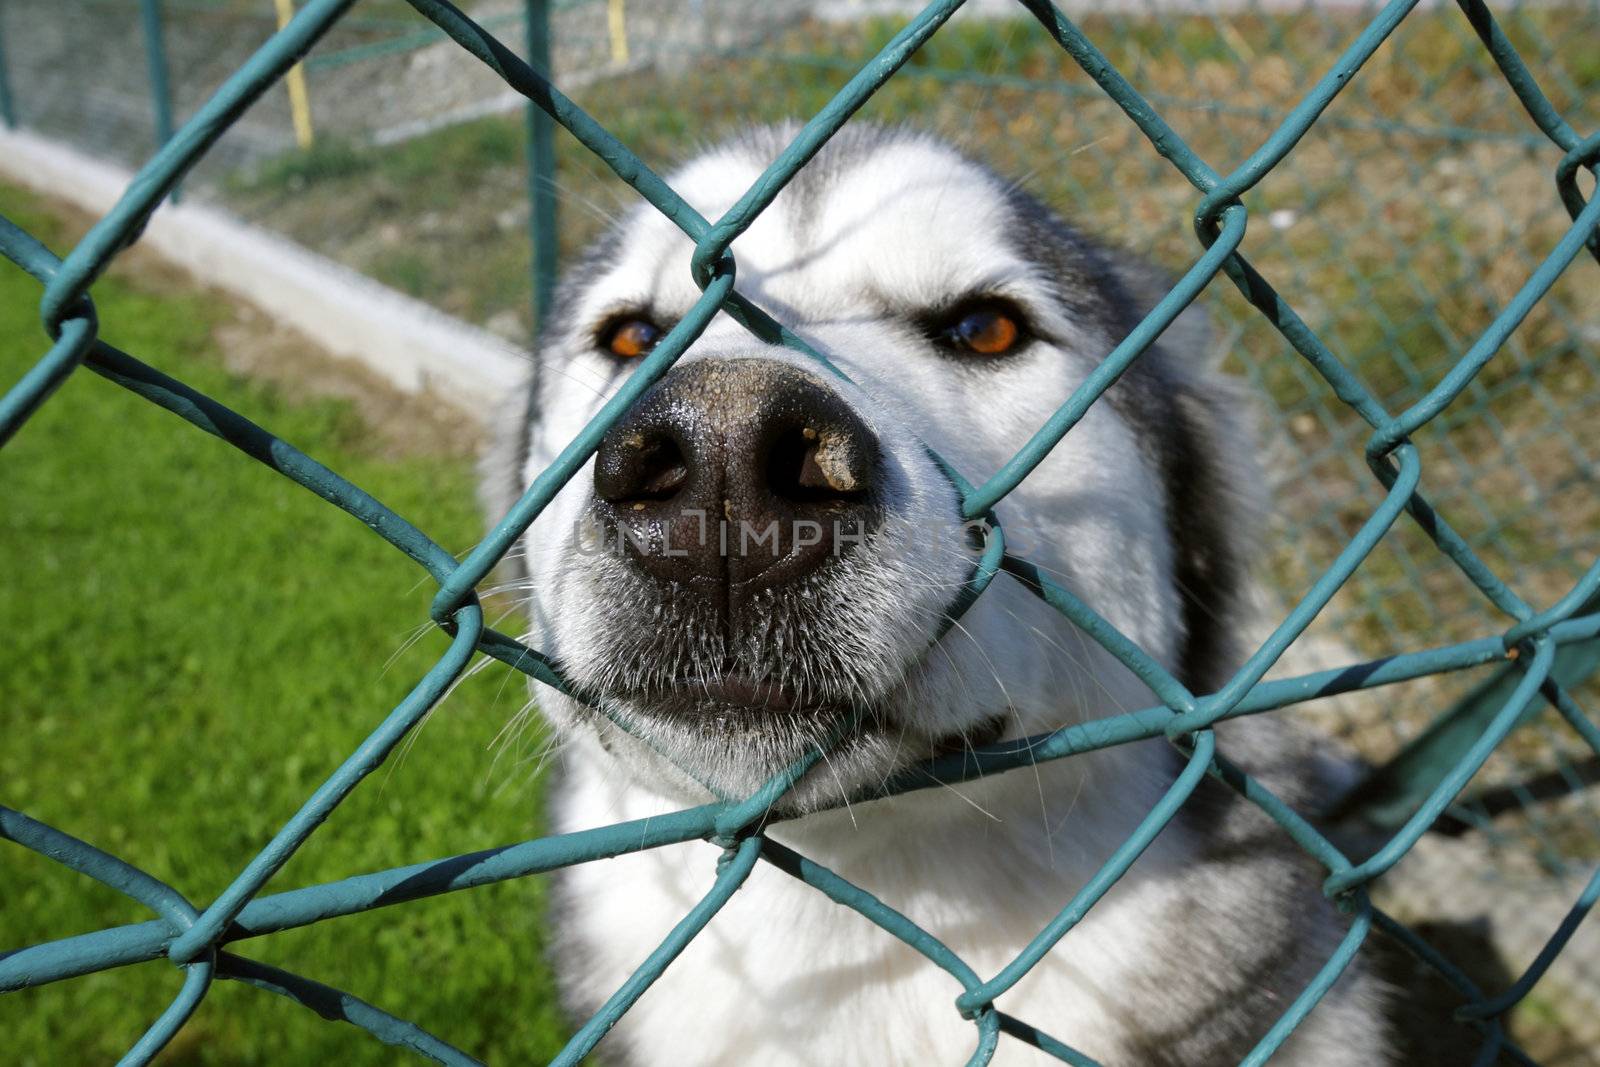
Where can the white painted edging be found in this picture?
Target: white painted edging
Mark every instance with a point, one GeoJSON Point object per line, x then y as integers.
{"type": "Point", "coordinates": [408, 343]}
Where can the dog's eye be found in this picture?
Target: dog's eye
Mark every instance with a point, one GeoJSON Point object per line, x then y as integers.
{"type": "Point", "coordinates": [630, 338]}
{"type": "Point", "coordinates": [987, 329]}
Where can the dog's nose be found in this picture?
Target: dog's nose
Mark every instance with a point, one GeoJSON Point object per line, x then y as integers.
{"type": "Point", "coordinates": [737, 475]}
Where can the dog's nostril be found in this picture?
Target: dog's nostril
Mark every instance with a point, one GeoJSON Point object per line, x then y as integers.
{"type": "Point", "coordinates": [640, 469]}
{"type": "Point", "coordinates": [662, 471]}
{"type": "Point", "coordinates": [810, 466]}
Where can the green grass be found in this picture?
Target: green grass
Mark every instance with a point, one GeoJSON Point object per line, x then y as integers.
{"type": "Point", "coordinates": [191, 644]}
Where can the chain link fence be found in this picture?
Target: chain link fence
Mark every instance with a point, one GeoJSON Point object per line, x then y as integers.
{"type": "Point", "coordinates": [378, 77]}
{"type": "Point", "coordinates": [1403, 299]}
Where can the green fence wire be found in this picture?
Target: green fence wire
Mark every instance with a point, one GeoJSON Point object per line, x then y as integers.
{"type": "Point", "coordinates": [1527, 642]}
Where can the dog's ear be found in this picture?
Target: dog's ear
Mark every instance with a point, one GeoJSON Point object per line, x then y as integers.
{"type": "Point", "coordinates": [503, 464]}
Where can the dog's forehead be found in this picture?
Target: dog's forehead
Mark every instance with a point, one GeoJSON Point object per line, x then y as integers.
{"type": "Point", "coordinates": [898, 224]}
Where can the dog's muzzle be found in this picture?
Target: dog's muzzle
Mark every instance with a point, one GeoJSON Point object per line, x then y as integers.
{"type": "Point", "coordinates": [734, 476]}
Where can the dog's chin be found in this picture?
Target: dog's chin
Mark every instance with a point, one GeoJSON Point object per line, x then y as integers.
{"type": "Point", "coordinates": [738, 704]}
{"type": "Point", "coordinates": [733, 736]}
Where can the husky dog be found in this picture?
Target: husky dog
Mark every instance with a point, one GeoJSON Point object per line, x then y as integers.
{"type": "Point", "coordinates": [764, 574]}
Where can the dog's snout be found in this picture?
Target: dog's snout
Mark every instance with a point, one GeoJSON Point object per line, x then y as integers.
{"type": "Point", "coordinates": [735, 473]}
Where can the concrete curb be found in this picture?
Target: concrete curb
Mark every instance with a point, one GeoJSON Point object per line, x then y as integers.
{"type": "Point", "coordinates": [410, 344]}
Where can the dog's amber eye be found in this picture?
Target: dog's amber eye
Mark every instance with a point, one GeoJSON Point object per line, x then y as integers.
{"type": "Point", "coordinates": [631, 338]}
{"type": "Point", "coordinates": [986, 329]}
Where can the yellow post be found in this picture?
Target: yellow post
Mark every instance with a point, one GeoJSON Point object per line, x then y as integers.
{"type": "Point", "coordinates": [299, 100]}
{"type": "Point", "coordinates": [619, 33]}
